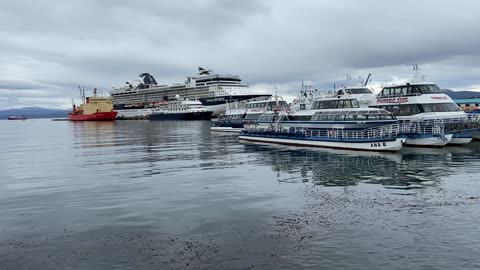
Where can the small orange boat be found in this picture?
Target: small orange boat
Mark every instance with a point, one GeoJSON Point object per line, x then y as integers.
{"type": "Point", "coordinates": [94, 108]}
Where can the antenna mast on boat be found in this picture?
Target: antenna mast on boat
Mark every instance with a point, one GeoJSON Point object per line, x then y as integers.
{"type": "Point", "coordinates": [417, 76]}
{"type": "Point", "coordinates": [368, 77]}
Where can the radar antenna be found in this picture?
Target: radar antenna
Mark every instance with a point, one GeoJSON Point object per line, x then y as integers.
{"type": "Point", "coordinates": [417, 76]}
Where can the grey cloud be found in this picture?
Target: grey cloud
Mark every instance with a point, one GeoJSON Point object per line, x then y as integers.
{"type": "Point", "coordinates": [56, 45]}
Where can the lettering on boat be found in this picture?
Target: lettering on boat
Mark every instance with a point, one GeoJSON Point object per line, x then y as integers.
{"type": "Point", "coordinates": [393, 100]}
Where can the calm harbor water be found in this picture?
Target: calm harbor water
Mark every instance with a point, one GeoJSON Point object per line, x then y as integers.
{"type": "Point", "coordinates": [173, 195]}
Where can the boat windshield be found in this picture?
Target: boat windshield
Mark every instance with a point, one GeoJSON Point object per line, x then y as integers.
{"type": "Point", "coordinates": [430, 89]}
{"type": "Point", "coordinates": [410, 90]}
{"type": "Point", "coordinates": [412, 109]}
{"type": "Point", "coordinates": [440, 107]}
{"type": "Point", "coordinates": [364, 115]}
{"type": "Point", "coordinates": [358, 91]}
{"type": "Point", "coordinates": [335, 104]}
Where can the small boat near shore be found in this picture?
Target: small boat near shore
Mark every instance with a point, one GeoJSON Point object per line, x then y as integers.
{"type": "Point", "coordinates": [17, 117]}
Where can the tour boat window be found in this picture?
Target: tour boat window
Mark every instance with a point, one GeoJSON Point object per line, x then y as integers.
{"type": "Point", "coordinates": [349, 117]}
{"type": "Point", "coordinates": [347, 103]}
{"type": "Point", "coordinates": [253, 116]}
{"type": "Point", "coordinates": [361, 117]}
{"type": "Point", "coordinates": [330, 118]}
{"type": "Point", "coordinates": [429, 89]}
{"type": "Point", "coordinates": [440, 107]}
{"type": "Point", "coordinates": [355, 103]}
{"type": "Point", "coordinates": [323, 117]}
{"type": "Point", "coordinates": [338, 118]}
{"type": "Point", "coordinates": [385, 92]}
{"type": "Point", "coordinates": [359, 91]}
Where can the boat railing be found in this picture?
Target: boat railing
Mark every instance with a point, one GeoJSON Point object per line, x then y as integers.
{"type": "Point", "coordinates": [422, 127]}
{"type": "Point", "coordinates": [379, 132]}
{"type": "Point", "coordinates": [450, 125]}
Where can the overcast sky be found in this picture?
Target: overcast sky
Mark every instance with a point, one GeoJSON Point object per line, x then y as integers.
{"type": "Point", "coordinates": [49, 47]}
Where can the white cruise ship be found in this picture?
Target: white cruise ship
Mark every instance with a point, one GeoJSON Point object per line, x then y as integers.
{"type": "Point", "coordinates": [212, 90]}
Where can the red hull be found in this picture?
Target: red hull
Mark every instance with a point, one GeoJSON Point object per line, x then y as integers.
{"type": "Point", "coordinates": [100, 116]}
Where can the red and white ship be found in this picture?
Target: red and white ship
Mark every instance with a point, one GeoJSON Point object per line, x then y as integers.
{"type": "Point", "coordinates": [94, 108]}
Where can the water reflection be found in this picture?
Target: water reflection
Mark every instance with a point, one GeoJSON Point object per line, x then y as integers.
{"type": "Point", "coordinates": [407, 169]}
{"type": "Point", "coordinates": [163, 147]}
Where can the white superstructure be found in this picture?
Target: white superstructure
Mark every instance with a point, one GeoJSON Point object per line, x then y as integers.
{"type": "Point", "coordinates": [422, 102]}
{"type": "Point", "coordinates": [212, 90]}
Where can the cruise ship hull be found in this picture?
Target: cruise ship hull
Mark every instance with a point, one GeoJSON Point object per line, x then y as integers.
{"type": "Point", "coordinates": [206, 115]}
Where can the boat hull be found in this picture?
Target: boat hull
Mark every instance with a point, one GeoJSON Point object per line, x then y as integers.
{"type": "Point", "coordinates": [459, 139]}
{"type": "Point", "coordinates": [386, 146]}
{"type": "Point", "coordinates": [17, 118]}
{"type": "Point", "coordinates": [99, 116]}
{"type": "Point", "coordinates": [206, 115]}
{"type": "Point", "coordinates": [226, 129]}
{"type": "Point", "coordinates": [219, 104]}
{"type": "Point", "coordinates": [133, 114]}
{"type": "Point", "coordinates": [427, 141]}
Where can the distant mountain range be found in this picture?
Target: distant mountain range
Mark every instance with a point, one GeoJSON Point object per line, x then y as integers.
{"type": "Point", "coordinates": [33, 112]}
{"type": "Point", "coordinates": [462, 94]}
